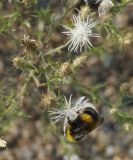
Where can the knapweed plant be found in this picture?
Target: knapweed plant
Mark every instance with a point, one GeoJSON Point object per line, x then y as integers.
{"type": "Point", "coordinates": [56, 49]}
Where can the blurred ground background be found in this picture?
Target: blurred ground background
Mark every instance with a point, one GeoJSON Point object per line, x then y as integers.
{"type": "Point", "coordinates": [32, 137]}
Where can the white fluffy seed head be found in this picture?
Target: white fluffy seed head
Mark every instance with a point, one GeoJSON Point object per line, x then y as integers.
{"type": "Point", "coordinates": [81, 34]}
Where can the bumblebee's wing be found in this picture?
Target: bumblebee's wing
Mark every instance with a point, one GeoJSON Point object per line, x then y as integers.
{"type": "Point", "coordinates": [70, 3]}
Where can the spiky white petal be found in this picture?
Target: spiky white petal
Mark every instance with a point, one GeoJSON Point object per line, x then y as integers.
{"type": "Point", "coordinates": [81, 34]}
{"type": "Point", "coordinates": [70, 111]}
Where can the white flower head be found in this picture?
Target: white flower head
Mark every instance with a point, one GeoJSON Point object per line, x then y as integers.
{"type": "Point", "coordinates": [71, 111]}
{"type": "Point", "coordinates": [2, 143]}
{"type": "Point", "coordinates": [104, 7]}
{"type": "Point", "coordinates": [81, 34]}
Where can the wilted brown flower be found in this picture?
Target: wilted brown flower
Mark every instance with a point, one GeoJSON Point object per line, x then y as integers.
{"type": "Point", "coordinates": [48, 99]}
{"type": "Point", "coordinates": [65, 69]}
{"type": "Point", "coordinates": [18, 62]}
{"type": "Point", "coordinates": [30, 45]}
{"type": "Point", "coordinates": [79, 61]}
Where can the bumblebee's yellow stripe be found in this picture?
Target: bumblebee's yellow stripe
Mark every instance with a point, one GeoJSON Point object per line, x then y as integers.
{"type": "Point", "coordinates": [86, 117]}
{"type": "Point", "coordinates": [68, 134]}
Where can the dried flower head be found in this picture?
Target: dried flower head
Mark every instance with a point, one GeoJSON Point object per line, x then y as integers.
{"type": "Point", "coordinates": [48, 99]}
{"type": "Point", "coordinates": [104, 7]}
{"type": "Point", "coordinates": [65, 69]}
{"type": "Point", "coordinates": [30, 44]}
{"type": "Point", "coordinates": [2, 143]}
{"type": "Point", "coordinates": [79, 61]}
{"type": "Point", "coordinates": [70, 111]}
{"type": "Point", "coordinates": [81, 34]}
{"type": "Point", "coordinates": [18, 62]}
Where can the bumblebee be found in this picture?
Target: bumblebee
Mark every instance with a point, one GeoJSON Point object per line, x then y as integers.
{"type": "Point", "coordinates": [85, 122]}
{"type": "Point", "coordinates": [79, 119]}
